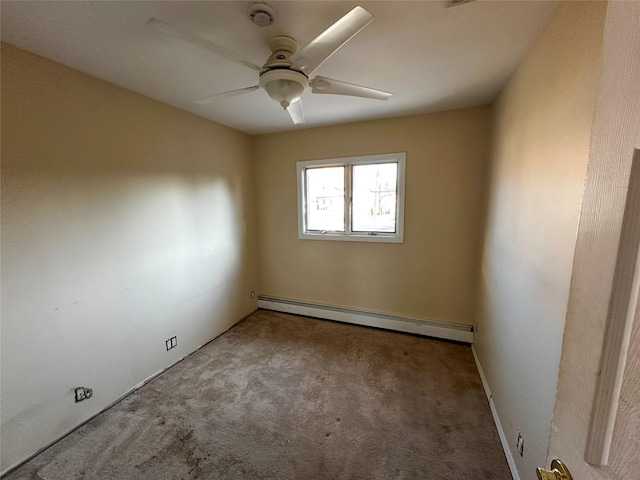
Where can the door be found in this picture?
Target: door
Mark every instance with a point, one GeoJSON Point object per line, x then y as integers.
{"type": "Point", "coordinates": [596, 423]}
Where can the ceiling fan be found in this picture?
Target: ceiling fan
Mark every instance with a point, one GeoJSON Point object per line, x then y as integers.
{"type": "Point", "coordinates": [285, 75]}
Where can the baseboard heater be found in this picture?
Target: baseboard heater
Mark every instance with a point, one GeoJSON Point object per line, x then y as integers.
{"type": "Point", "coordinates": [428, 328]}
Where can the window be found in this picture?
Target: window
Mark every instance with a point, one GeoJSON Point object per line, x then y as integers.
{"type": "Point", "coordinates": [353, 199]}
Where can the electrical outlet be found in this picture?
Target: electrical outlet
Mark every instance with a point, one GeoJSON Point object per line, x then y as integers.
{"type": "Point", "coordinates": [171, 343]}
{"type": "Point", "coordinates": [82, 393]}
{"type": "Point", "coordinates": [253, 294]}
{"type": "Point", "coordinates": [520, 443]}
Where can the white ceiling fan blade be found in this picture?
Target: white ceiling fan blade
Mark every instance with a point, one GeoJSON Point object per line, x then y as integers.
{"type": "Point", "coordinates": [223, 95]}
{"type": "Point", "coordinates": [219, 50]}
{"type": "Point", "coordinates": [336, 87]}
{"type": "Point", "coordinates": [314, 53]}
{"type": "Point", "coordinates": [296, 113]}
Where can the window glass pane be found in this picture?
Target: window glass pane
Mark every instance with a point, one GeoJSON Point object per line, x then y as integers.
{"type": "Point", "coordinates": [374, 197]}
{"type": "Point", "coordinates": [325, 199]}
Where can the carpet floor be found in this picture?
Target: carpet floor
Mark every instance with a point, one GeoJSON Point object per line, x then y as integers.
{"type": "Point", "coordinates": [286, 397]}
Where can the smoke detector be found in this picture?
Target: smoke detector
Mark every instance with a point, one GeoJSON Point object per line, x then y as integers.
{"type": "Point", "coordinates": [262, 14]}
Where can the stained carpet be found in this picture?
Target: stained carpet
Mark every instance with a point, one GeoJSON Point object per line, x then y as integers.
{"type": "Point", "coordinates": [287, 397]}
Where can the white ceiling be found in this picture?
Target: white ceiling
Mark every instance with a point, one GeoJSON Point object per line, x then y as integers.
{"type": "Point", "coordinates": [431, 57]}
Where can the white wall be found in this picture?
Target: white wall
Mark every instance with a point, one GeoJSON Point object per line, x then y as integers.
{"type": "Point", "coordinates": [542, 126]}
{"type": "Point", "coordinates": [124, 222]}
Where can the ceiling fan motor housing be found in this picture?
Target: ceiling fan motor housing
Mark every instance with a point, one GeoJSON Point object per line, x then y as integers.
{"type": "Point", "coordinates": [281, 50]}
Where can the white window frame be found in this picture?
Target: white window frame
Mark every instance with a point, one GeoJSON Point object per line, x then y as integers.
{"type": "Point", "coordinates": [348, 235]}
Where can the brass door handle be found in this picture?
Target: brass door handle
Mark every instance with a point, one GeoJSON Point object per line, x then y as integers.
{"type": "Point", "coordinates": [559, 471]}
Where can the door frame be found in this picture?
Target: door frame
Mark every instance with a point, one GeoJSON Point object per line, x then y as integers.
{"type": "Point", "coordinates": [594, 329]}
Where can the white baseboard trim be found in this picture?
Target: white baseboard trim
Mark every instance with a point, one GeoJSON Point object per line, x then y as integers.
{"type": "Point", "coordinates": [503, 438]}
{"type": "Point", "coordinates": [428, 328]}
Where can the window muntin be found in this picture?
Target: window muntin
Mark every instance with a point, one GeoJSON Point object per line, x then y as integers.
{"type": "Point", "coordinates": [352, 199]}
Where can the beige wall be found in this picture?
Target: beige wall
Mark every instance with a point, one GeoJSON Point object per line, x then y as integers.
{"type": "Point", "coordinates": [543, 121]}
{"type": "Point", "coordinates": [432, 275]}
{"type": "Point", "coordinates": [123, 224]}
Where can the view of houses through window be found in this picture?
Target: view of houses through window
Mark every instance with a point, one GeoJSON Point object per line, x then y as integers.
{"type": "Point", "coordinates": [325, 199]}
{"type": "Point", "coordinates": [373, 190]}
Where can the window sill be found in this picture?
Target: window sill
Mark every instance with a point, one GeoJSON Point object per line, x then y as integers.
{"type": "Point", "coordinates": [379, 238]}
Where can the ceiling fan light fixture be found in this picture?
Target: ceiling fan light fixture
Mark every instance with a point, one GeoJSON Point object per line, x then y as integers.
{"type": "Point", "coordinates": [285, 75]}
{"type": "Point", "coordinates": [284, 86]}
